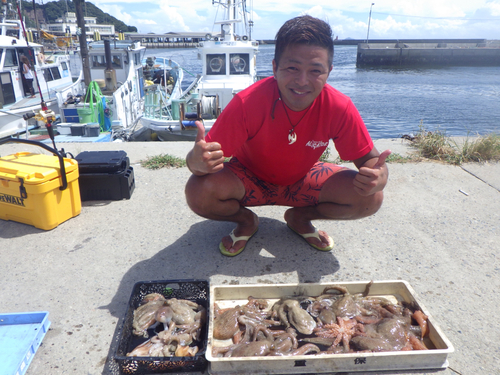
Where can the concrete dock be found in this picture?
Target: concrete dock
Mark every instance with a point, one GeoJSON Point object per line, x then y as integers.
{"type": "Point", "coordinates": [428, 54]}
{"type": "Point", "coordinates": [438, 229]}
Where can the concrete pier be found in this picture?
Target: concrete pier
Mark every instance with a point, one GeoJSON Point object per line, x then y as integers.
{"type": "Point", "coordinates": [438, 229]}
{"type": "Point", "coordinates": [484, 53]}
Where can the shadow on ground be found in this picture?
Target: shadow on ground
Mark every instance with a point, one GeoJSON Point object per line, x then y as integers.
{"type": "Point", "coordinates": [273, 252]}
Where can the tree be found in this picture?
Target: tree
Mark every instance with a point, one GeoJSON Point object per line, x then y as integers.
{"type": "Point", "coordinates": [56, 9]}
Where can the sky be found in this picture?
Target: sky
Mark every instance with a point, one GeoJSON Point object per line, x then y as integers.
{"type": "Point", "coordinates": [390, 19]}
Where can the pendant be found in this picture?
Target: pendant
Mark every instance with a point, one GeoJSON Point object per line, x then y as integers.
{"type": "Point", "coordinates": [292, 137]}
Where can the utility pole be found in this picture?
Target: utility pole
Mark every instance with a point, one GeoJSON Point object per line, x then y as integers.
{"type": "Point", "coordinates": [38, 35]}
{"type": "Point", "coordinates": [84, 53]}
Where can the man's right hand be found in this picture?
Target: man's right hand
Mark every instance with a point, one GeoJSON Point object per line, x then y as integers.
{"type": "Point", "coordinates": [205, 157]}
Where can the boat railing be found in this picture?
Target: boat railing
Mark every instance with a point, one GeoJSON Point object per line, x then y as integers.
{"type": "Point", "coordinates": [193, 86]}
{"type": "Point", "coordinates": [127, 100]}
{"type": "Point", "coordinates": [73, 90]}
{"type": "Point", "coordinates": [157, 103]}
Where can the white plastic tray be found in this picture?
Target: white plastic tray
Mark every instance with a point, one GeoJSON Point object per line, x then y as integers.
{"type": "Point", "coordinates": [230, 296]}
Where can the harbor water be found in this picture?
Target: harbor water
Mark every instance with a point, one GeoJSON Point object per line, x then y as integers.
{"type": "Point", "coordinates": [459, 101]}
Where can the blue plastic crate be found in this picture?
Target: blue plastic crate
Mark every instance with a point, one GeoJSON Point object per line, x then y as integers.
{"type": "Point", "coordinates": [70, 115]}
{"type": "Point", "coordinates": [20, 336]}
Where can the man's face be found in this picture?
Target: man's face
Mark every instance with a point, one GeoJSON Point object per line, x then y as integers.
{"type": "Point", "coordinates": [301, 74]}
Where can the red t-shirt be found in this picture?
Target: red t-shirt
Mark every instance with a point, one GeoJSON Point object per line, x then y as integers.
{"type": "Point", "coordinates": [254, 128]}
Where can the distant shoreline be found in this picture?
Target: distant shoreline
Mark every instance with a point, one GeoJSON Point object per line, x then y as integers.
{"type": "Point", "coordinates": [354, 42]}
{"type": "Point", "coordinates": [337, 42]}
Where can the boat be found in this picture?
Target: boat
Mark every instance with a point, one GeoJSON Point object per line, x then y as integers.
{"type": "Point", "coordinates": [52, 77]}
{"type": "Point", "coordinates": [115, 96]}
{"type": "Point", "coordinates": [228, 66]}
{"type": "Point", "coordinates": [163, 80]}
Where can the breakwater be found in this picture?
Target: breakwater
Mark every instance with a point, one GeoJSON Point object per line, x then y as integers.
{"type": "Point", "coordinates": [406, 54]}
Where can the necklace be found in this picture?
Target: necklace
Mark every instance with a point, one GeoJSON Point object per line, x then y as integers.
{"type": "Point", "coordinates": [292, 136]}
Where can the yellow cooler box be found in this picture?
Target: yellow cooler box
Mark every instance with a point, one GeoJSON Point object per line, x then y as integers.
{"type": "Point", "coordinates": [34, 191]}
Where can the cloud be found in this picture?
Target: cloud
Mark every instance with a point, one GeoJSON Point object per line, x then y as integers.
{"type": "Point", "coordinates": [390, 18]}
{"type": "Point", "coordinates": [117, 12]}
{"type": "Point", "coordinates": [145, 22]}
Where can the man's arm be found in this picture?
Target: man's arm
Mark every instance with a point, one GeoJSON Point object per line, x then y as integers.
{"type": "Point", "coordinates": [205, 157]}
{"type": "Point", "coordinates": [373, 172]}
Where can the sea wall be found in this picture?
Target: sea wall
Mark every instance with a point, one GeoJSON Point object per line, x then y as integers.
{"type": "Point", "coordinates": [485, 53]}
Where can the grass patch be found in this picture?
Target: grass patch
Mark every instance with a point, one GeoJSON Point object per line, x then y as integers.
{"type": "Point", "coordinates": [163, 161]}
{"type": "Point", "coordinates": [392, 158]}
{"type": "Point", "coordinates": [436, 145]}
{"type": "Point", "coordinates": [325, 155]}
{"type": "Point", "coordinates": [482, 149]}
{"type": "Point", "coordinates": [398, 158]}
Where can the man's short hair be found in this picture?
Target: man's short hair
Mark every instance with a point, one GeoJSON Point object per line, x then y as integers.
{"type": "Point", "coordinates": [304, 30]}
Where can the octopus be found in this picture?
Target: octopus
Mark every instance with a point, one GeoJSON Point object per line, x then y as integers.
{"type": "Point", "coordinates": [421, 319]}
{"type": "Point", "coordinates": [343, 331]}
{"type": "Point", "coordinates": [145, 315]}
{"type": "Point", "coordinates": [284, 343]}
{"type": "Point", "coordinates": [226, 323]}
{"type": "Point", "coordinates": [183, 311]}
{"type": "Point", "coordinates": [183, 318]}
{"type": "Point", "coordinates": [167, 343]}
{"type": "Point", "coordinates": [336, 320]}
{"type": "Point", "coordinates": [290, 313]}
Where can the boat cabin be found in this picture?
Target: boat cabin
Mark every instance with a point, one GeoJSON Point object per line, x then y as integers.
{"type": "Point", "coordinates": [51, 74]}
{"type": "Point", "coordinates": [228, 67]}
{"type": "Point", "coordinates": [122, 53]}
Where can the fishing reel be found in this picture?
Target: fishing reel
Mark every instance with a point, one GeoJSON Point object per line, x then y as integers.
{"type": "Point", "coordinates": [46, 115]}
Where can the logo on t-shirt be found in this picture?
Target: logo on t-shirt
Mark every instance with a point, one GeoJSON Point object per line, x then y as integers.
{"type": "Point", "coordinates": [316, 144]}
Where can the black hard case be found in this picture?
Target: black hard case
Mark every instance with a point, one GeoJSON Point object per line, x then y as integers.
{"type": "Point", "coordinates": [105, 175]}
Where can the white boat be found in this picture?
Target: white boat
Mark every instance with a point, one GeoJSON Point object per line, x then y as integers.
{"type": "Point", "coordinates": [52, 77]}
{"type": "Point", "coordinates": [229, 66]}
{"type": "Point", "coordinates": [116, 70]}
{"type": "Point", "coordinates": [163, 78]}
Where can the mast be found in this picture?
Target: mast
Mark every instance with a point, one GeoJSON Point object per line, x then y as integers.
{"type": "Point", "coordinates": [235, 14]}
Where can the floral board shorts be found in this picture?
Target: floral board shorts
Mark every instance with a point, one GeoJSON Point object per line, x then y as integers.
{"type": "Point", "coordinates": [304, 192]}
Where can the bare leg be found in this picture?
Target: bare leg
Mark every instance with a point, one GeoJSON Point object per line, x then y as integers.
{"type": "Point", "coordinates": [216, 197]}
{"type": "Point", "coordinates": [337, 201]}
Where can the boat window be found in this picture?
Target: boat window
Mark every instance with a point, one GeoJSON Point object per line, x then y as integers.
{"type": "Point", "coordinates": [239, 63]}
{"type": "Point", "coordinates": [55, 73]}
{"type": "Point", "coordinates": [216, 64]}
{"type": "Point", "coordinates": [65, 69]}
{"type": "Point", "coordinates": [47, 75]}
{"type": "Point", "coordinates": [116, 61]}
{"type": "Point", "coordinates": [98, 61]}
{"type": "Point", "coordinates": [10, 58]}
{"type": "Point", "coordinates": [13, 33]}
{"type": "Point", "coordinates": [137, 59]}
{"type": "Point", "coordinates": [7, 93]}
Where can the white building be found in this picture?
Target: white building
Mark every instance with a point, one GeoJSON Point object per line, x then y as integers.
{"type": "Point", "coordinates": [67, 25]}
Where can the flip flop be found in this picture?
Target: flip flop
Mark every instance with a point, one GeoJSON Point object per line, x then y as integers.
{"type": "Point", "coordinates": [315, 234]}
{"type": "Point", "coordinates": [235, 239]}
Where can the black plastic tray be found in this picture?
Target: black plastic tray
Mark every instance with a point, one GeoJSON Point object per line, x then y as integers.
{"type": "Point", "coordinates": [193, 290]}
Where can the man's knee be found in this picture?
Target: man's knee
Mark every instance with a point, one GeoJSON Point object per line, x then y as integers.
{"type": "Point", "coordinates": [205, 193]}
{"type": "Point", "coordinates": [372, 204]}
{"type": "Point", "coordinates": [197, 191]}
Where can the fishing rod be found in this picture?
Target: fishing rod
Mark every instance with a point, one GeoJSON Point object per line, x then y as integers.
{"type": "Point", "coordinates": [45, 115]}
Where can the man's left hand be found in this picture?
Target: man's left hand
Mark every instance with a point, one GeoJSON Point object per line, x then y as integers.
{"type": "Point", "coordinates": [372, 177]}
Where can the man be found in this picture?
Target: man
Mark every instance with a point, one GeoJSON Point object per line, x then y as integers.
{"type": "Point", "coordinates": [276, 130]}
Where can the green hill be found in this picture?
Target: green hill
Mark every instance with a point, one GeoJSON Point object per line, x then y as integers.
{"type": "Point", "coordinates": [53, 10]}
